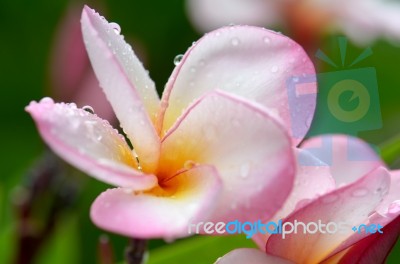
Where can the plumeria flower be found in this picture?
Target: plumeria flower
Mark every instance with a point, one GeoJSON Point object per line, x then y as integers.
{"type": "Point", "coordinates": [361, 20]}
{"type": "Point", "coordinates": [216, 146]}
{"type": "Point", "coordinates": [364, 192]}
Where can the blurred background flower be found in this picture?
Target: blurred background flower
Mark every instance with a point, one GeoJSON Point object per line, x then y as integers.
{"type": "Point", "coordinates": [28, 47]}
{"type": "Point", "coordinates": [361, 20]}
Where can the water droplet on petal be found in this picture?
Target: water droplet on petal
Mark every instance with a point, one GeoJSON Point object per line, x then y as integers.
{"type": "Point", "coordinates": [115, 27]}
{"type": "Point", "coordinates": [274, 69]}
{"type": "Point", "coordinates": [267, 40]}
{"type": "Point", "coordinates": [46, 100]}
{"type": "Point", "coordinates": [330, 198]}
{"type": "Point", "coordinates": [394, 207]}
{"type": "Point", "coordinates": [235, 122]}
{"type": "Point", "coordinates": [360, 192]}
{"type": "Point", "coordinates": [235, 42]}
{"type": "Point", "coordinates": [244, 170]}
{"type": "Point", "coordinates": [192, 69]}
{"type": "Point", "coordinates": [189, 164]}
{"type": "Point", "coordinates": [177, 59]}
{"type": "Point", "coordinates": [127, 190]}
{"type": "Point", "coordinates": [88, 108]}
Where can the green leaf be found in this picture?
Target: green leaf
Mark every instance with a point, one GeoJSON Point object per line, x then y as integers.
{"type": "Point", "coordinates": [390, 150]}
{"type": "Point", "coordinates": [198, 250]}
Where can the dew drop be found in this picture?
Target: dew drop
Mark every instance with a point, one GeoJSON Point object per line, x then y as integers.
{"type": "Point", "coordinates": [244, 170]}
{"type": "Point", "coordinates": [177, 59]}
{"type": "Point", "coordinates": [235, 122]}
{"type": "Point", "coordinates": [274, 69]}
{"type": "Point", "coordinates": [359, 192]}
{"type": "Point", "coordinates": [115, 27]}
{"type": "Point", "coordinates": [394, 207]}
{"type": "Point", "coordinates": [192, 69]}
{"type": "Point", "coordinates": [189, 164]}
{"type": "Point", "coordinates": [127, 190]}
{"type": "Point", "coordinates": [266, 40]}
{"type": "Point", "coordinates": [88, 108]}
{"type": "Point", "coordinates": [235, 42]}
{"type": "Point", "coordinates": [46, 100]}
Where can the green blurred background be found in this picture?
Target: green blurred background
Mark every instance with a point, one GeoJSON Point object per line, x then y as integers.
{"type": "Point", "coordinates": [163, 31]}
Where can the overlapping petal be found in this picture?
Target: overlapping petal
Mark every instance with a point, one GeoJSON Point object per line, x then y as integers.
{"type": "Point", "coordinates": [89, 143]}
{"type": "Point", "coordinates": [372, 249]}
{"type": "Point", "coordinates": [228, 132]}
{"type": "Point", "coordinates": [126, 84]}
{"type": "Point", "coordinates": [257, 64]}
{"type": "Point", "coordinates": [186, 198]}
{"type": "Point", "coordinates": [313, 179]}
{"type": "Point", "coordinates": [351, 204]}
{"type": "Point", "coordinates": [349, 158]}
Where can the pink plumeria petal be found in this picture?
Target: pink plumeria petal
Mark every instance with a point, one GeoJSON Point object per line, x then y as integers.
{"type": "Point", "coordinates": [348, 157]}
{"type": "Point", "coordinates": [206, 14]}
{"type": "Point", "coordinates": [391, 203]}
{"type": "Point", "coordinates": [145, 215]}
{"type": "Point", "coordinates": [254, 63]}
{"type": "Point", "coordinates": [227, 132]}
{"type": "Point", "coordinates": [89, 143]}
{"type": "Point", "coordinates": [386, 211]}
{"type": "Point", "coordinates": [350, 204]}
{"type": "Point", "coordinates": [250, 255]}
{"type": "Point", "coordinates": [313, 179]}
{"type": "Point", "coordinates": [126, 84]}
{"type": "Point", "coordinates": [372, 249]}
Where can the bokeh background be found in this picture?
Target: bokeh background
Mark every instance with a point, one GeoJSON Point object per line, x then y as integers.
{"type": "Point", "coordinates": [158, 30]}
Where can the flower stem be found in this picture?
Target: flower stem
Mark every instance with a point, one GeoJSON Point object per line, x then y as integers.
{"type": "Point", "coordinates": [135, 252]}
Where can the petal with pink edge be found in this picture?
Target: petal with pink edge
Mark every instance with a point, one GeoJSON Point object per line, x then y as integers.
{"type": "Point", "coordinates": [313, 179]}
{"type": "Point", "coordinates": [186, 198]}
{"type": "Point", "coordinates": [254, 63]}
{"type": "Point", "coordinates": [385, 213]}
{"type": "Point", "coordinates": [250, 255]}
{"type": "Point", "coordinates": [348, 206]}
{"type": "Point", "coordinates": [89, 143]}
{"type": "Point", "coordinates": [126, 84]}
{"type": "Point", "coordinates": [372, 249]}
{"type": "Point", "coordinates": [249, 148]}
{"type": "Point", "coordinates": [348, 157]}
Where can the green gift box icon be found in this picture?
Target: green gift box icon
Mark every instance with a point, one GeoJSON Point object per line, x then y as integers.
{"type": "Point", "coordinates": [347, 102]}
